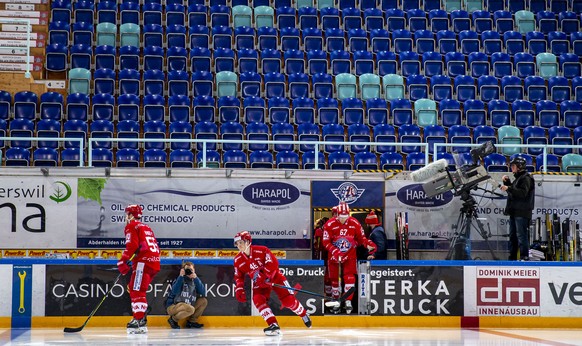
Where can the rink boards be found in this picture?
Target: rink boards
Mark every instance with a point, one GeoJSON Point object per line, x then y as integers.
{"type": "Point", "coordinates": [58, 293]}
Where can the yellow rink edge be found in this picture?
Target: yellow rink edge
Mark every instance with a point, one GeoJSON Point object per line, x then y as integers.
{"type": "Point", "coordinates": [340, 321]}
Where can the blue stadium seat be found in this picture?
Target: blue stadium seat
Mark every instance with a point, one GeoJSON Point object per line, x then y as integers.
{"type": "Point", "coordinates": [179, 108]}
{"type": "Point", "coordinates": [283, 132]}
{"type": "Point", "coordinates": [455, 63]}
{"type": "Point", "coordinates": [298, 85]}
{"type": "Point", "coordinates": [435, 134]}
{"type": "Point", "coordinates": [56, 58]}
{"type": "Point", "coordinates": [364, 62]}
{"type": "Point", "coordinates": [177, 58]}
{"type": "Point", "coordinates": [484, 133]}
{"type": "Point", "coordinates": [358, 132]}
{"type": "Point", "coordinates": [340, 62]}
{"type": "Point", "coordinates": [308, 160]}
{"type": "Point", "coordinates": [514, 42]}
{"type": "Point", "coordinates": [17, 156]}
{"type": "Point", "coordinates": [128, 107]}
{"type": "Point", "coordinates": [384, 133]}
{"type": "Point", "coordinates": [469, 41]}
{"type": "Point", "coordinates": [365, 161]}
{"type": "Point", "coordinates": [488, 88]}
{"type": "Point", "coordinates": [258, 131]}
{"type": "Point", "coordinates": [503, 20]}
{"type": "Point", "coordinates": [312, 39]}
{"type": "Point", "coordinates": [410, 134]}
{"type": "Point", "coordinates": [401, 111]}
{"type": "Point", "coordinates": [202, 83]}
{"type": "Point", "coordinates": [333, 133]}
{"type": "Point", "coordinates": [432, 64]}
{"type": "Point", "coordinates": [102, 157]}
{"type": "Point", "coordinates": [103, 107]}
{"type": "Point", "coordinates": [522, 113]}
{"type": "Point", "coordinates": [289, 37]}
{"type": "Point", "coordinates": [377, 111]}
{"type": "Point", "coordinates": [303, 110]}
{"type": "Point", "coordinates": [287, 160]}
{"type": "Point", "coordinates": [70, 157]}
{"type": "Point", "coordinates": [75, 128]}
{"type": "Point", "coordinates": [154, 82]}
{"type": "Point", "coordinates": [261, 159]}
{"type": "Point", "coordinates": [450, 112]}
{"type": "Point", "coordinates": [340, 160]}
{"type": "Point", "coordinates": [534, 135]}
{"type": "Point", "coordinates": [415, 160]}
{"type": "Point", "coordinates": [391, 161]}
{"type": "Point", "coordinates": [308, 132]}
{"type": "Point", "coordinates": [478, 64]}
{"type": "Point", "coordinates": [51, 106]}
{"type": "Point", "coordinates": [447, 41]}
{"type": "Point", "coordinates": [386, 62]}
{"type": "Point", "coordinates": [77, 106]}
{"type": "Point", "coordinates": [180, 130]}
{"type": "Point", "coordinates": [535, 88]}
{"type": "Point", "coordinates": [460, 134]}
{"type": "Point", "coordinates": [199, 36]}
{"type": "Point", "coordinates": [155, 130]}
{"type": "Point", "coordinates": [465, 88]}
{"type": "Point", "coordinates": [499, 114]}
{"type": "Point", "coordinates": [154, 107]}
{"type": "Point", "coordinates": [104, 81]}
{"type": "Point", "coordinates": [409, 63]}
{"type": "Point", "coordinates": [154, 158]}
{"type": "Point", "coordinates": [232, 131]}
{"type": "Point", "coordinates": [45, 157]}
{"type": "Point", "coordinates": [552, 163]}
{"type": "Point", "coordinates": [353, 111]}
{"type": "Point", "coordinates": [181, 158]}
{"type": "Point", "coordinates": [496, 162]}
{"type": "Point", "coordinates": [128, 129]}
{"type": "Point", "coordinates": [380, 40]}
{"type": "Point", "coordinates": [254, 109]}
{"type": "Point", "coordinates": [442, 88]}
{"type": "Point", "coordinates": [560, 135]}
{"type": "Point", "coordinates": [570, 65]}
{"type": "Point", "coordinates": [571, 114]}
{"type": "Point", "coordinates": [475, 114]}
{"type": "Point", "coordinates": [512, 88]}
{"type": "Point", "coordinates": [129, 12]}
{"type": "Point", "coordinates": [402, 41]}
{"type": "Point", "coordinates": [417, 86]}
{"type": "Point", "coordinates": [206, 130]}
{"type": "Point", "coordinates": [559, 88]}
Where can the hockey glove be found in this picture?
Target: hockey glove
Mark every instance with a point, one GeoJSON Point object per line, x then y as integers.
{"type": "Point", "coordinates": [123, 267]}
{"type": "Point", "coordinates": [336, 256]}
{"type": "Point", "coordinates": [240, 294]}
{"type": "Point", "coordinates": [260, 280]}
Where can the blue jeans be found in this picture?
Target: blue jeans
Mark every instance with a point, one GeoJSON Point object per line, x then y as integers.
{"type": "Point", "coordinates": [518, 237]}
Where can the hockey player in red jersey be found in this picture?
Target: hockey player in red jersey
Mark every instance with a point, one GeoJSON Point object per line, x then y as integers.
{"type": "Point", "coordinates": [141, 241]}
{"type": "Point", "coordinates": [262, 267]}
{"type": "Point", "coordinates": [341, 236]}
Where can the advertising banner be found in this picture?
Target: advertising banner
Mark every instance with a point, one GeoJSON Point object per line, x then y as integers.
{"type": "Point", "coordinates": [38, 212]}
{"type": "Point", "coordinates": [200, 213]}
{"type": "Point", "coordinates": [78, 289]}
{"type": "Point", "coordinates": [416, 291]}
{"type": "Point", "coordinates": [523, 291]}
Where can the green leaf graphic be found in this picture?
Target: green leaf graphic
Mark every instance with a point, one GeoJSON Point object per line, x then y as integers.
{"type": "Point", "coordinates": [90, 188]}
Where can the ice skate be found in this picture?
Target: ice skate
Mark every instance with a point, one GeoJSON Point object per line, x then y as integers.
{"type": "Point", "coordinates": [272, 330]}
{"type": "Point", "coordinates": [306, 320]}
{"type": "Point", "coordinates": [137, 326]}
{"type": "Point", "coordinates": [336, 309]}
{"type": "Point", "coordinates": [348, 306]}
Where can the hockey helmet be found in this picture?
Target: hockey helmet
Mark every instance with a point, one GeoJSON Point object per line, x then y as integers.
{"type": "Point", "coordinates": [244, 236]}
{"type": "Point", "coordinates": [519, 162]}
{"type": "Point", "coordinates": [343, 209]}
{"type": "Point", "coordinates": [134, 210]}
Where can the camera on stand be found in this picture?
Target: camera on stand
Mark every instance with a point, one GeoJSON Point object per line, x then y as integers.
{"type": "Point", "coordinates": [461, 182]}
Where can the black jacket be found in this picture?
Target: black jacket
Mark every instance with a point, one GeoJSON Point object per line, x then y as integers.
{"type": "Point", "coordinates": [520, 195]}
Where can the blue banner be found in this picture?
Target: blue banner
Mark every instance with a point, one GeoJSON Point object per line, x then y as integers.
{"type": "Point", "coordinates": [358, 194]}
{"type": "Point", "coordinates": [21, 296]}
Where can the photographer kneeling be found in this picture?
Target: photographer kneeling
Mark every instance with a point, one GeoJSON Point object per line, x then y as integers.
{"type": "Point", "coordinates": [187, 298]}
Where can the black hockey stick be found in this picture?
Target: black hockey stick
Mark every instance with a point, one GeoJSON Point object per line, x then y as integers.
{"type": "Point", "coordinates": [78, 329]}
{"type": "Point", "coordinates": [333, 301]}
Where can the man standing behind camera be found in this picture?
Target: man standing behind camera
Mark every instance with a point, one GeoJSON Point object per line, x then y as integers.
{"type": "Point", "coordinates": [520, 203]}
{"type": "Point", "coordinates": [187, 298]}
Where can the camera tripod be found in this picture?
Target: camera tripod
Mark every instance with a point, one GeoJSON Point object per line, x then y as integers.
{"type": "Point", "coordinates": [468, 217]}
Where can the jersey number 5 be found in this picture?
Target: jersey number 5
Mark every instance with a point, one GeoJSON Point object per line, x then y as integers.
{"type": "Point", "coordinates": [152, 244]}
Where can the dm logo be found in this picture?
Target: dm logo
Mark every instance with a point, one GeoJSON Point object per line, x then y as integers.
{"type": "Point", "coordinates": [348, 192]}
{"type": "Point", "coordinates": [62, 192]}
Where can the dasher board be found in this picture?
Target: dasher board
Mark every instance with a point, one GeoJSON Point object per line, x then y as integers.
{"type": "Point", "coordinates": [19, 67]}
{"type": "Point", "coordinates": [25, 1]}
{"type": "Point", "coordinates": [21, 43]}
{"type": "Point", "coordinates": [21, 35]}
{"type": "Point", "coordinates": [16, 27]}
{"type": "Point", "coordinates": [19, 59]}
{"type": "Point", "coordinates": [33, 21]}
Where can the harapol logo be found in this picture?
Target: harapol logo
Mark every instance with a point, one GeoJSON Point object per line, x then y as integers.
{"type": "Point", "coordinates": [61, 192]}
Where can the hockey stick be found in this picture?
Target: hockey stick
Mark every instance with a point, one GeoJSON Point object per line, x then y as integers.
{"type": "Point", "coordinates": [332, 301]}
{"type": "Point", "coordinates": [78, 329]}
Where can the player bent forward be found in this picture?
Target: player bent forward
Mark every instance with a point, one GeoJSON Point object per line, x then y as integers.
{"type": "Point", "coordinates": [263, 268]}
{"type": "Point", "coordinates": [141, 241]}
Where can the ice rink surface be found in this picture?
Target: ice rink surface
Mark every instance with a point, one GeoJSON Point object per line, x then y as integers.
{"type": "Point", "coordinates": [295, 336]}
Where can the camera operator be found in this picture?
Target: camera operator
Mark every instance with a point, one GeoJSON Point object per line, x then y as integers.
{"type": "Point", "coordinates": [187, 298]}
{"type": "Point", "coordinates": [520, 203]}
